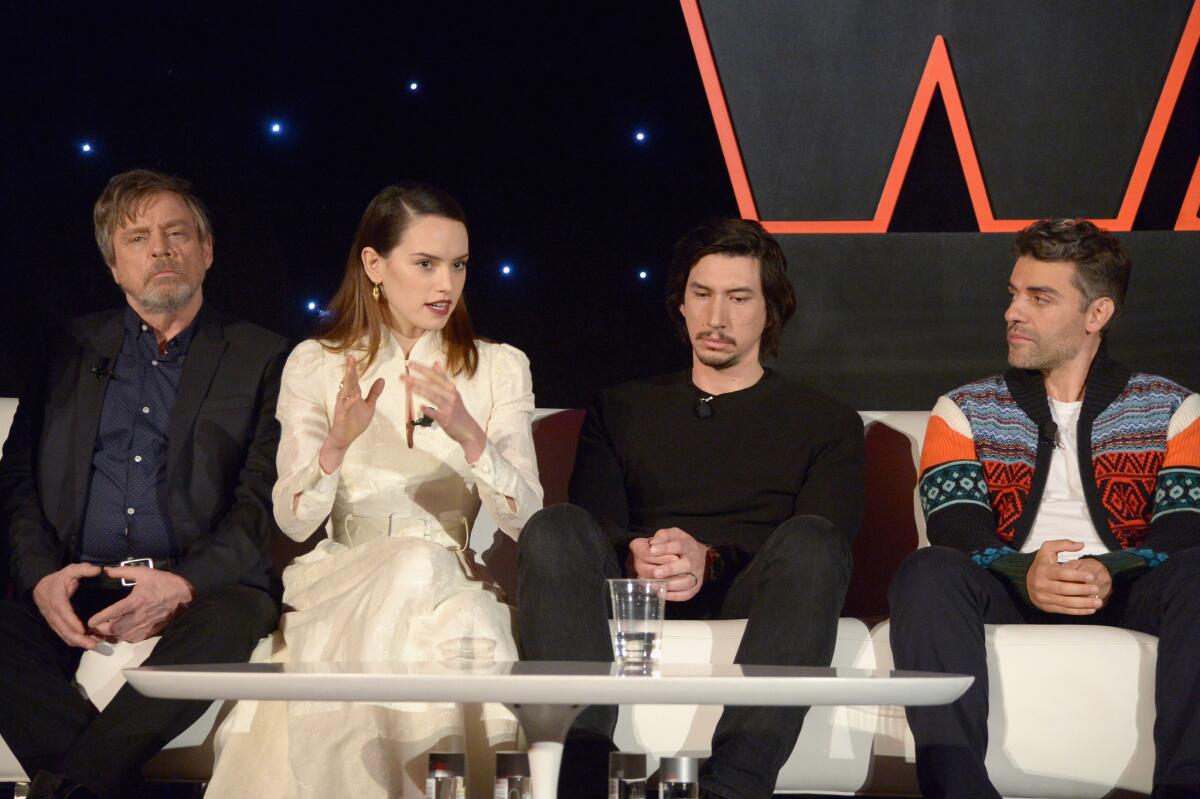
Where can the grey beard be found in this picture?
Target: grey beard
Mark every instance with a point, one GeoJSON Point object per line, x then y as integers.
{"type": "Point", "coordinates": [167, 299]}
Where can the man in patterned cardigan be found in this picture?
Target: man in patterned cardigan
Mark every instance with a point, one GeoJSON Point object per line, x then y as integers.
{"type": "Point", "coordinates": [1066, 489]}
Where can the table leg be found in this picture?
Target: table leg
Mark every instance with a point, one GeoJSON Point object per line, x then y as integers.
{"type": "Point", "coordinates": [545, 728]}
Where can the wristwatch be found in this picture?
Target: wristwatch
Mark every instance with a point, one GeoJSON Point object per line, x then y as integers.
{"type": "Point", "coordinates": [714, 565]}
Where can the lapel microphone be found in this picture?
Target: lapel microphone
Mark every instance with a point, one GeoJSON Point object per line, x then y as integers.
{"type": "Point", "coordinates": [100, 369]}
{"type": "Point", "coordinates": [1048, 434]}
{"type": "Point", "coordinates": [703, 408]}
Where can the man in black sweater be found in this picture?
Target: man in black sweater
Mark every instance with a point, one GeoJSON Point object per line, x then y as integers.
{"type": "Point", "coordinates": [739, 487]}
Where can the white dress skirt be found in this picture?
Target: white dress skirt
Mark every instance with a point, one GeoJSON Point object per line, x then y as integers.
{"type": "Point", "coordinates": [391, 583]}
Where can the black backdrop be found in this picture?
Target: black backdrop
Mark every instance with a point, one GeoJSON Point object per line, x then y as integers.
{"type": "Point", "coordinates": [526, 113]}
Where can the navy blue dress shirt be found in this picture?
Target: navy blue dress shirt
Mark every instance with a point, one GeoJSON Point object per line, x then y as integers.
{"type": "Point", "coordinates": [127, 514]}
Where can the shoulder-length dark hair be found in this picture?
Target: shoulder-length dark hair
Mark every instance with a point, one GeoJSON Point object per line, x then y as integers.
{"type": "Point", "coordinates": [354, 313]}
{"type": "Point", "coordinates": [735, 237]}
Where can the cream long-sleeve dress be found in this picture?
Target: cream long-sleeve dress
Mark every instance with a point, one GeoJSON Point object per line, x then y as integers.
{"type": "Point", "coordinates": [390, 583]}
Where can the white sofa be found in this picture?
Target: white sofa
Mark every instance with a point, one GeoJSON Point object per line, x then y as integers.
{"type": "Point", "coordinates": [1072, 707]}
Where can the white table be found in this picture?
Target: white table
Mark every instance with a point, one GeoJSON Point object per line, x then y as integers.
{"type": "Point", "coordinates": [547, 696]}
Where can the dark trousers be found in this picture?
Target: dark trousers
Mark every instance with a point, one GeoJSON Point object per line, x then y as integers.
{"type": "Point", "coordinates": [50, 726]}
{"type": "Point", "coordinates": [940, 601]}
{"type": "Point", "coordinates": [790, 593]}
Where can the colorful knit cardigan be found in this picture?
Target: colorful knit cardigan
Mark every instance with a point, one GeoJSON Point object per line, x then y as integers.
{"type": "Point", "coordinates": [987, 454]}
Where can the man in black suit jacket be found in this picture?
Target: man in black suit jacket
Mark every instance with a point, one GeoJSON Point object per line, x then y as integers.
{"type": "Point", "coordinates": [138, 475]}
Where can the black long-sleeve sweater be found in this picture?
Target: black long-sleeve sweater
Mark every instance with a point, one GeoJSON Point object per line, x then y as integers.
{"type": "Point", "coordinates": [777, 449]}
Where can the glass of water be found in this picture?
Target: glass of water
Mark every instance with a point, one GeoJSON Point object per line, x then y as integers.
{"type": "Point", "coordinates": [638, 607]}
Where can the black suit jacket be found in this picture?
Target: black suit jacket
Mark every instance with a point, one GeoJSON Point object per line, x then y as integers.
{"type": "Point", "coordinates": [220, 451]}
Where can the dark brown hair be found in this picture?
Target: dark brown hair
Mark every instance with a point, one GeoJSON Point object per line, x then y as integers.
{"type": "Point", "coordinates": [1102, 264]}
{"type": "Point", "coordinates": [735, 237]}
{"type": "Point", "coordinates": [123, 196]}
{"type": "Point", "coordinates": [354, 313]}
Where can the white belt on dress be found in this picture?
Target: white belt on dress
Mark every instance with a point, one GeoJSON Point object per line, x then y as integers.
{"type": "Point", "coordinates": [453, 533]}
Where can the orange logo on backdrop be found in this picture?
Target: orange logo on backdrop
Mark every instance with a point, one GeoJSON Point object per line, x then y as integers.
{"type": "Point", "coordinates": [939, 74]}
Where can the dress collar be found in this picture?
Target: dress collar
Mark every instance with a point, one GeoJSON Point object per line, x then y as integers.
{"type": "Point", "coordinates": [430, 348]}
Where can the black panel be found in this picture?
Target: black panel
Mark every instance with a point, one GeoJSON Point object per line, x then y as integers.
{"type": "Point", "coordinates": [1058, 95]}
{"type": "Point", "coordinates": [892, 321]}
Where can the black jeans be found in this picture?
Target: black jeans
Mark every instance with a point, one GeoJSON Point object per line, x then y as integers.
{"type": "Point", "coordinates": [50, 726]}
{"type": "Point", "coordinates": [940, 601]}
{"type": "Point", "coordinates": [791, 594]}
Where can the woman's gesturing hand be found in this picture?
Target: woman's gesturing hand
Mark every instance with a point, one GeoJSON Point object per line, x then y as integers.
{"type": "Point", "coordinates": [352, 413]}
{"type": "Point", "coordinates": [445, 406]}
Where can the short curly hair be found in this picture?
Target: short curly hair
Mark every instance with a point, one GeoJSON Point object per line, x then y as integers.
{"type": "Point", "coordinates": [1102, 264]}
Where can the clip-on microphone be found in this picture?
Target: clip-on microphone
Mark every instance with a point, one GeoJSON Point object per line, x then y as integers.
{"type": "Point", "coordinates": [100, 369]}
{"type": "Point", "coordinates": [1048, 434]}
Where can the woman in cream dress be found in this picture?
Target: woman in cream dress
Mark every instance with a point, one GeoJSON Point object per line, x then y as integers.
{"type": "Point", "coordinates": [397, 423]}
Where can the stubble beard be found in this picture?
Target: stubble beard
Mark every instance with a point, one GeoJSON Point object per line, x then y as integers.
{"type": "Point", "coordinates": [719, 361]}
{"type": "Point", "coordinates": [1041, 356]}
{"type": "Point", "coordinates": [170, 295]}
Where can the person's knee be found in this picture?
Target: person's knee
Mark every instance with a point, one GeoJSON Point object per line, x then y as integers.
{"type": "Point", "coordinates": [925, 573]}
{"type": "Point", "coordinates": [806, 555]}
{"type": "Point", "coordinates": [557, 540]}
{"type": "Point", "coordinates": [411, 567]}
{"type": "Point", "coordinates": [1186, 561]}
{"type": "Point", "coordinates": [16, 620]}
{"type": "Point", "coordinates": [1185, 577]}
{"type": "Point", "coordinates": [12, 614]}
{"type": "Point", "coordinates": [810, 542]}
{"type": "Point", "coordinates": [241, 614]}
{"type": "Point", "coordinates": [549, 523]}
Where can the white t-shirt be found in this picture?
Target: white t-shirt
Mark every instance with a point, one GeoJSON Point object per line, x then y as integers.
{"type": "Point", "coordinates": [1063, 512]}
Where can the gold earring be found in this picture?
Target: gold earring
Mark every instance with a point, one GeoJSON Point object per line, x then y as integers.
{"type": "Point", "coordinates": [375, 292]}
